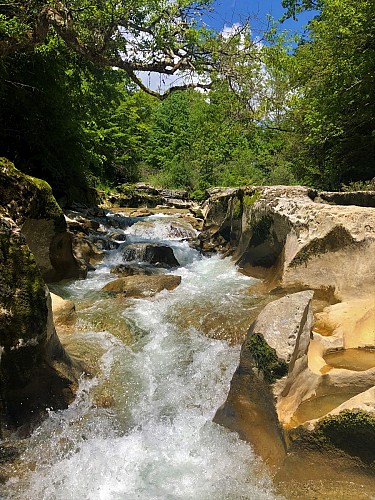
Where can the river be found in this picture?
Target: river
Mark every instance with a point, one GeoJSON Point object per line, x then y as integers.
{"type": "Point", "coordinates": [141, 427]}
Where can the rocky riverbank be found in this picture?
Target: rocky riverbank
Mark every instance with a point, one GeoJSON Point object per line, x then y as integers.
{"type": "Point", "coordinates": [307, 370]}
{"type": "Point", "coordinates": [304, 386]}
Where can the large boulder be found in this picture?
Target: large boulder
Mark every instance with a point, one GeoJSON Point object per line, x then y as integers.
{"type": "Point", "coordinates": [294, 381]}
{"type": "Point", "coordinates": [273, 343]}
{"type": "Point", "coordinates": [142, 286]}
{"type": "Point", "coordinates": [30, 204]}
{"type": "Point", "coordinates": [35, 371]}
{"type": "Point", "coordinates": [156, 254]}
{"type": "Point", "coordinates": [281, 231]}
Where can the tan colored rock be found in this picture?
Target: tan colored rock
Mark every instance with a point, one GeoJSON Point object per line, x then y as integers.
{"type": "Point", "coordinates": [352, 321]}
{"type": "Point", "coordinates": [285, 325]}
{"type": "Point", "coordinates": [141, 212]}
{"type": "Point", "coordinates": [305, 243]}
{"type": "Point", "coordinates": [143, 286]}
{"type": "Point", "coordinates": [276, 341]}
{"type": "Point", "coordinates": [64, 311]}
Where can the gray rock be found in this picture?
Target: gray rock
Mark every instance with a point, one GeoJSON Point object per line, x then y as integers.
{"type": "Point", "coordinates": [152, 253]}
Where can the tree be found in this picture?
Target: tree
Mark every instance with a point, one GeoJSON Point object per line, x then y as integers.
{"type": "Point", "coordinates": [70, 122]}
{"type": "Point", "coordinates": [333, 106]}
{"type": "Point", "coordinates": [294, 7]}
{"type": "Point", "coordinates": [164, 36]}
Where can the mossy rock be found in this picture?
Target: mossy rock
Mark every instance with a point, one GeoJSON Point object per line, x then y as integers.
{"type": "Point", "coordinates": [335, 240]}
{"type": "Point", "coordinates": [352, 431]}
{"type": "Point", "coordinates": [250, 199]}
{"type": "Point", "coordinates": [26, 197]}
{"type": "Point", "coordinates": [266, 359]}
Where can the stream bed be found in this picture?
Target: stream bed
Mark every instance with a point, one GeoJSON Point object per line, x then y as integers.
{"type": "Point", "coordinates": [141, 427]}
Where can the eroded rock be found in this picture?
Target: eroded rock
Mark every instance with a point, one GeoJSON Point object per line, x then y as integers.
{"type": "Point", "coordinates": [30, 204]}
{"type": "Point", "coordinates": [298, 242]}
{"type": "Point", "coordinates": [143, 286]}
{"type": "Point", "coordinates": [35, 371]}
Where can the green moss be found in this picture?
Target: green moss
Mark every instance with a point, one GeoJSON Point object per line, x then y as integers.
{"type": "Point", "coordinates": [33, 197]}
{"type": "Point", "coordinates": [261, 230]}
{"type": "Point", "coordinates": [250, 200]}
{"type": "Point", "coordinates": [335, 240]}
{"type": "Point", "coordinates": [126, 190]}
{"type": "Point", "coordinates": [46, 200]}
{"type": "Point", "coordinates": [237, 209]}
{"type": "Point", "coordinates": [22, 292]}
{"type": "Point", "coordinates": [352, 431]}
{"type": "Point", "coordinates": [266, 359]}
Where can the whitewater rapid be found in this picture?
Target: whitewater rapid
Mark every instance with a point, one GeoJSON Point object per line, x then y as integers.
{"type": "Point", "coordinates": [153, 438]}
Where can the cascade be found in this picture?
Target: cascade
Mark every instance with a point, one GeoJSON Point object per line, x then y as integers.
{"type": "Point", "coordinates": [141, 426]}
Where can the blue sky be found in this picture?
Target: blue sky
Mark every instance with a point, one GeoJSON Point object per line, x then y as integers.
{"type": "Point", "coordinates": [228, 12]}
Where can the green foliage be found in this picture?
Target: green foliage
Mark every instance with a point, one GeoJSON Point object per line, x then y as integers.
{"type": "Point", "coordinates": [294, 7]}
{"type": "Point", "coordinates": [266, 358]}
{"type": "Point", "coordinates": [249, 200]}
{"type": "Point", "coordinates": [69, 122]}
{"type": "Point", "coordinates": [333, 108]}
{"type": "Point", "coordinates": [197, 141]}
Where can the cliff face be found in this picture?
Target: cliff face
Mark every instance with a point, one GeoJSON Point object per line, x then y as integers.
{"type": "Point", "coordinates": [313, 368]}
{"type": "Point", "coordinates": [35, 371]}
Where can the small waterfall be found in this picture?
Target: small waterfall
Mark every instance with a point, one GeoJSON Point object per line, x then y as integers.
{"type": "Point", "coordinates": [142, 427]}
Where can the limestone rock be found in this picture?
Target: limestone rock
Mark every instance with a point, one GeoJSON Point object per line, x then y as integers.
{"type": "Point", "coordinates": [338, 368]}
{"type": "Point", "coordinates": [152, 253]}
{"type": "Point", "coordinates": [285, 326]}
{"type": "Point", "coordinates": [64, 311]}
{"type": "Point", "coordinates": [35, 371]}
{"type": "Point", "coordinates": [143, 286]}
{"type": "Point", "coordinates": [30, 204]}
{"type": "Point", "coordinates": [275, 341]}
{"type": "Point", "coordinates": [305, 244]}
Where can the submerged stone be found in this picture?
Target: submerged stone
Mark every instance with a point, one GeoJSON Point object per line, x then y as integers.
{"type": "Point", "coordinates": [143, 286]}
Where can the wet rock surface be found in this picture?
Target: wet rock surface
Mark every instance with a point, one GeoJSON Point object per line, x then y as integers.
{"type": "Point", "coordinates": [143, 286]}
{"type": "Point", "coordinates": [35, 371]}
{"type": "Point", "coordinates": [151, 253]}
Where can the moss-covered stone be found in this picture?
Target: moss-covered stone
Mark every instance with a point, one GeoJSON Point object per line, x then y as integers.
{"type": "Point", "coordinates": [29, 202]}
{"type": "Point", "coordinates": [47, 204]}
{"type": "Point", "coordinates": [266, 359]}
{"type": "Point", "coordinates": [30, 347]}
{"type": "Point", "coordinates": [27, 197]}
{"type": "Point", "coordinates": [335, 240]}
{"type": "Point", "coordinates": [352, 431]}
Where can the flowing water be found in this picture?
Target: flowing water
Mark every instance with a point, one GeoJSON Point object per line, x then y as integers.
{"type": "Point", "coordinates": [141, 428]}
